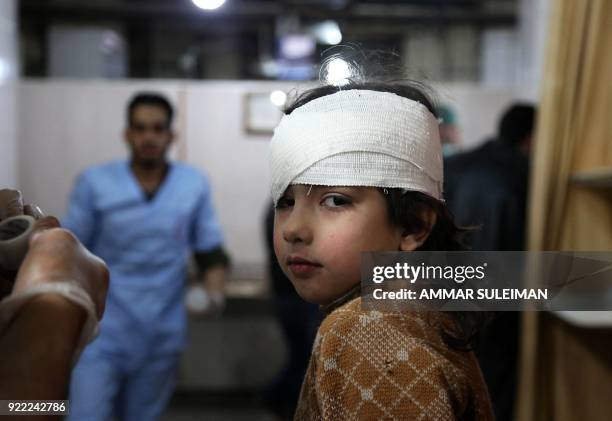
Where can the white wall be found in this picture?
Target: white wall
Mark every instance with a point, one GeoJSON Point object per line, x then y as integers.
{"type": "Point", "coordinates": [499, 59]}
{"type": "Point", "coordinates": [478, 109]}
{"type": "Point", "coordinates": [533, 33]}
{"type": "Point", "coordinates": [236, 163]}
{"type": "Point", "coordinates": [66, 126]}
{"type": "Point", "coordinates": [8, 99]}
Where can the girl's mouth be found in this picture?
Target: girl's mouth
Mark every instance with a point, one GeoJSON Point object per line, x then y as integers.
{"type": "Point", "coordinates": [302, 268]}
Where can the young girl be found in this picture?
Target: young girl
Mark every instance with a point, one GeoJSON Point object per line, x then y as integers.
{"type": "Point", "coordinates": [359, 168]}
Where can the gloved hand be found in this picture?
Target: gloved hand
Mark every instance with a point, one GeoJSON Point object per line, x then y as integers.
{"type": "Point", "coordinates": [200, 302]}
{"type": "Point", "coordinates": [56, 263]}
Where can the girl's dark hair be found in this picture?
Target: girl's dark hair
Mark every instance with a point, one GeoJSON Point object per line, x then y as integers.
{"type": "Point", "coordinates": [407, 88]}
{"type": "Point", "coordinates": [406, 208]}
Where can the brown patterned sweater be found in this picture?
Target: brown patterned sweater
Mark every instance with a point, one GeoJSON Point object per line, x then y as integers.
{"type": "Point", "coordinates": [368, 365]}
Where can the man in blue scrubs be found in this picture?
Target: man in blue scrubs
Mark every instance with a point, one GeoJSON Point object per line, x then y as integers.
{"type": "Point", "coordinates": [143, 216]}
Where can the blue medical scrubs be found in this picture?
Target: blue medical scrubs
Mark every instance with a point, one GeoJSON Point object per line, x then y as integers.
{"type": "Point", "coordinates": [129, 370]}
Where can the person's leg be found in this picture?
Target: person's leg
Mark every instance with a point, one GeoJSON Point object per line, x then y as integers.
{"type": "Point", "coordinates": [147, 390]}
{"type": "Point", "coordinates": [94, 387]}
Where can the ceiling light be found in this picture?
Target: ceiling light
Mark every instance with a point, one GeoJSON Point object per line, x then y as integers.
{"type": "Point", "coordinates": [328, 32]}
{"type": "Point", "coordinates": [208, 4]}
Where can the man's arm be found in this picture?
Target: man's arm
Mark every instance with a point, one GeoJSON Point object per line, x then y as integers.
{"type": "Point", "coordinates": [207, 241]}
{"type": "Point", "coordinates": [40, 341]}
{"type": "Point", "coordinates": [37, 349]}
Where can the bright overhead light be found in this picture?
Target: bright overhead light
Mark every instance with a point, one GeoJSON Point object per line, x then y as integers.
{"type": "Point", "coordinates": [328, 32]}
{"type": "Point", "coordinates": [208, 4]}
{"type": "Point", "coordinates": [337, 72]}
{"type": "Point", "coordinates": [278, 98]}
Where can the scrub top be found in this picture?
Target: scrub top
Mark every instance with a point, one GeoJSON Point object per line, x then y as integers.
{"type": "Point", "coordinates": [145, 243]}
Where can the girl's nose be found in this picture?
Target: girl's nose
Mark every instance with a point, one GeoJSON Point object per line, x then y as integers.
{"type": "Point", "coordinates": [297, 227]}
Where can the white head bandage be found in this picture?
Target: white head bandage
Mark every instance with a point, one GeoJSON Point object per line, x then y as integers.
{"type": "Point", "coordinates": [358, 138]}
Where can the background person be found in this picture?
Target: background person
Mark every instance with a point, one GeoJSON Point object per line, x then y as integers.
{"type": "Point", "coordinates": [449, 132]}
{"type": "Point", "coordinates": [487, 187]}
{"type": "Point", "coordinates": [143, 216]}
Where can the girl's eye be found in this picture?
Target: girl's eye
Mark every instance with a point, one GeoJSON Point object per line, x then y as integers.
{"type": "Point", "coordinates": [285, 202]}
{"type": "Point", "coordinates": [336, 200]}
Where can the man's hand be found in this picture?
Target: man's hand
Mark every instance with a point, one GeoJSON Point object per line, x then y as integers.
{"type": "Point", "coordinates": [208, 298]}
{"type": "Point", "coordinates": [11, 204]}
{"type": "Point", "coordinates": [38, 345]}
{"type": "Point", "coordinates": [54, 255]}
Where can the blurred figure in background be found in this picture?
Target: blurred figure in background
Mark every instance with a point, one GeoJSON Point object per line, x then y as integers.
{"type": "Point", "coordinates": [142, 216]}
{"type": "Point", "coordinates": [449, 133]}
{"type": "Point", "coordinates": [488, 188]}
{"type": "Point", "coordinates": [299, 321]}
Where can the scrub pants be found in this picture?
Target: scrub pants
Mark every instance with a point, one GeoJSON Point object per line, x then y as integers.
{"type": "Point", "coordinates": [103, 388]}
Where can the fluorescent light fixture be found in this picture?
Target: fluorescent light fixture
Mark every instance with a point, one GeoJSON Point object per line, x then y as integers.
{"type": "Point", "coordinates": [208, 4]}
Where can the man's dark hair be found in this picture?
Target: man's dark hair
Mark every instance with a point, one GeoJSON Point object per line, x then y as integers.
{"type": "Point", "coordinates": [405, 209]}
{"type": "Point", "coordinates": [151, 99]}
{"type": "Point", "coordinates": [517, 123]}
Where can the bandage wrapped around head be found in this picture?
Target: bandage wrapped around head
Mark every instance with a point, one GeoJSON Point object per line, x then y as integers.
{"type": "Point", "coordinates": [358, 138]}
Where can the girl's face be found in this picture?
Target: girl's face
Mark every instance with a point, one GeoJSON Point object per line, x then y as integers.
{"type": "Point", "coordinates": [320, 232]}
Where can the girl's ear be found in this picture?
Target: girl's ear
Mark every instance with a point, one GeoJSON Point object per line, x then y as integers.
{"type": "Point", "coordinates": [412, 241]}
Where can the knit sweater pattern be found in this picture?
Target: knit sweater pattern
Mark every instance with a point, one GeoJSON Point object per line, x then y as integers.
{"type": "Point", "coordinates": [371, 365]}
